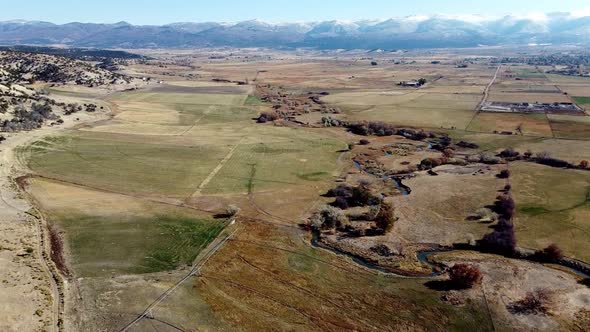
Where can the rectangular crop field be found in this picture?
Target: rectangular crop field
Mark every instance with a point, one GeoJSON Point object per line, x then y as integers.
{"type": "Point", "coordinates": [531, 124]}
{"type": "Point", "coordinates": [185, 98]}
{"type": "Point", "coordinates": [567, 126]}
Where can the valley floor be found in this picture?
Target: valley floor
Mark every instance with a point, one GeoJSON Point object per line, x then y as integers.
{"type": "Point", "coordinates": [132, 205]}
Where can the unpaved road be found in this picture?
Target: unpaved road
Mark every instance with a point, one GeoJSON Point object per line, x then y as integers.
{"type": "Point", "coordinates": [197, 265]}
{"type": "Point", "coordinates": [486, 92]}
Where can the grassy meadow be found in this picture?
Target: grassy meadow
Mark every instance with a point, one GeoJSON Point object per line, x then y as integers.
{"type": "Point", "coordinates": [110, 234]}
{"type": "Point", "coordinates": [127, 155]}
{"type": "Point", "coordinates": [553, 206]}
{"type": "Point", "coordinates": [166, 146]}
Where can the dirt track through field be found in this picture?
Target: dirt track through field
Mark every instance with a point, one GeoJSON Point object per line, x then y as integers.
{"type": "Point", "coordinates": [197, 265]}
{"type": "Point", "coordinates": [486, 92]}
{"type": "Point", "coordinates": [217, 169]}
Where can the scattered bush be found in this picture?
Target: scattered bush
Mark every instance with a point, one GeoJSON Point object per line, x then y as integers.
{"type": "Point", "coordinates": [268, 116]}
{"type": "Point", "coordinates": [584, 164]}
{"type": "Point", "coordinates": [467, 145]}
{"type": "Point", "coordinates": [465, 276]}
{"type": "Point", "coordinates": [330, 122]}
{"type": "Point", "coordinates": [364, 142]}
{"type": "Point", "coordinates": [231, 211]}
{"type": "Point", "coordinates": [382, 250]}
{"type": "Point", "coordinates": [488, 158]}
{"type": "Point", "coordinates": [509, 153]}
{"type": "Point", "coordinates": [550, 254]}
{"type": "Point", "coordinates": [430, 163]}
{"type": "Point", "coordinates": [504, 174]}
{"type": "Point", "coordinates": [537, 302]}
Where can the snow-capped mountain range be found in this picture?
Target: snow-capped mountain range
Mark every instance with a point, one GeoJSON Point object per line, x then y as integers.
{"type": "Point", "coordinates": [405, 32]}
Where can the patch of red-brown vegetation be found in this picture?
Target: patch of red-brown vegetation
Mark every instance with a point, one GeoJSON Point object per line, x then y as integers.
{"type": "Point", "coordinates": [22, 182]}
{"type": "Point", "coordinates": [57, 250]}
{"type": "Point", "coordinates": [465, 276]}
{"type": "Point", "coordinates": [267, 279]}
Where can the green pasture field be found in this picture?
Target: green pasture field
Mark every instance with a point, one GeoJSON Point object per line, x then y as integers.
{"type": "Point", "coordinates": [582, 100]}
{"type": "Point", "coordinates": [124, 244]}
{"type": "Point", "coordinates": [303, 157]}
{"type": "Point", "coordinates": [113, 164]}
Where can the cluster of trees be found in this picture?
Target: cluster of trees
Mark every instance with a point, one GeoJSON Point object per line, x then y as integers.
{"type": "Point", "coordinates": [503, 239]}
{"type": "Point", "coordinates": [328, 218]}
{"type": "Point", "coordinates": [75, 107]}
{"type": "Point", "coordinates": [543, 157]}
{"type": "Point", "coordinates": [40, 110]}
{"type": "Point", "coordinates": [333, 216]}
{"type": "Point", "coordinates": [486, 158]}
{"type": "Point", "coordinates": [348, 196]}
{"type": "Point", "coordinates": [370, 128]}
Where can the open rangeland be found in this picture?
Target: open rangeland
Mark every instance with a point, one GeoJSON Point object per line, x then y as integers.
{"type": "Point", "coordinates": [181, 213]}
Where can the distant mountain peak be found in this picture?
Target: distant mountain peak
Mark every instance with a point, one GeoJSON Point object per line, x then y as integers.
{"type": "Point", "coordinates": [418, 31]}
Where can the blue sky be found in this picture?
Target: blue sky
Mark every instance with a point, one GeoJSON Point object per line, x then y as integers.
{"type": "Point", "coordinates": [167, 11]}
